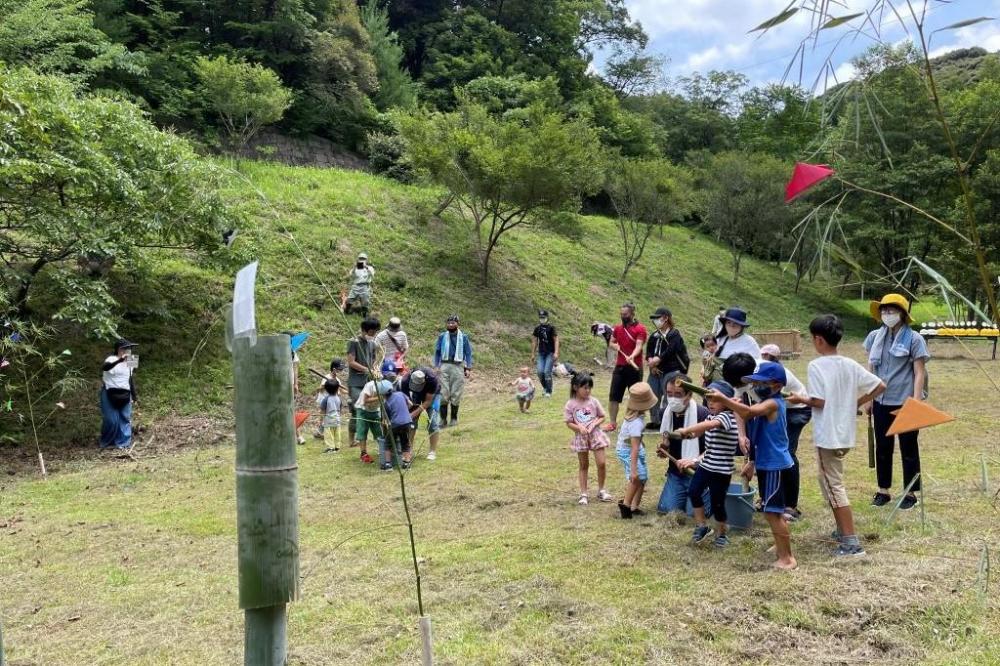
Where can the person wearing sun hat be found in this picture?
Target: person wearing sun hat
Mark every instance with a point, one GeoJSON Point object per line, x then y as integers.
{"type": "Point", "coordinates": [630, 450]}
{"type": "Point", "coordinates": [361, 276]}
{"type": "Point", "coordinates": [898, 356]}
{"type": "Point", "coordinates": [733, 338]}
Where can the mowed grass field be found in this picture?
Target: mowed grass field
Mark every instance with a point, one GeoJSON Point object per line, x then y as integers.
{"type": "Point", "coordinates": [134, 562]}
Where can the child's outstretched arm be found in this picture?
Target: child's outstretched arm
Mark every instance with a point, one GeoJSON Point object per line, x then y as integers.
{"type": "Point", "coordinates": [745, 412]}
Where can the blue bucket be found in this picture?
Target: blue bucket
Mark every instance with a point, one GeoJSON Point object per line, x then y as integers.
{"type": "Point", "coordinates": [740, 507]}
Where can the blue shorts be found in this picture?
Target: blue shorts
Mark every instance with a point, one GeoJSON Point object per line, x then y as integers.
{"type": "Point", "coordinates": [625, 455]}
{"type": "Point", "coordinates": [772, 494]}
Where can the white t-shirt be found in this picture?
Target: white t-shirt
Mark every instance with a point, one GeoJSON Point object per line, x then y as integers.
{"type": "Point", "coordinates": [367, 392]}
{"type": "Point", "coordinates": [839, 381]}
{"type": "Point", "coordinates": [118, 376]}
{"type": "Point", "coordinates": [743, 343]}
{"type": "Point", "coordinates": [630, 428]}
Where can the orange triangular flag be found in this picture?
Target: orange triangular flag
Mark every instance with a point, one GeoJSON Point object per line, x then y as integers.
{"type": "Point", "coordinates": [914, 415]}
{"type": "Point", "coordinates": [300, 418]}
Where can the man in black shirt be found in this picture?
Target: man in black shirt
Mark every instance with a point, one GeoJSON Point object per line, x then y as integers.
{"type": "Point", "coordinates": [361, 356]}
{"type": "Point", "coordinates": [422, 388]}
{"type": "Point", "coordinates": [545, 350]}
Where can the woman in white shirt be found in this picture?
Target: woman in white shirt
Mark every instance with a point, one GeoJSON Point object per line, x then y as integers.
{"type": "Point", "coordinates": [117, 394]}
{"type": "Point", "coordinates": [733, 338]}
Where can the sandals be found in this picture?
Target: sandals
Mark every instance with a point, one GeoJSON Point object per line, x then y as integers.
{"type": "Point", "coordinates": [583, 501]}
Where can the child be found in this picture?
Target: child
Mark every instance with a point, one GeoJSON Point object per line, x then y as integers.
{"type": "Point", "coordinates": [397, 410]}
{"type": "Point", "coordinates": [768, 433]}
{"type": "Point", "coordinates": [525, 389]}
{"type": "Point", "coordinates": [583, 415]}
{"type": "Point", "coordinates": [336, 365]}
{"type": "Point", "coordinates": [711, 365]}
{"type": "Point", "coordinates": [715, 466]}
{"type": "Point", "coordinates": [630, 450]}
{"type": "Point", "coordinates": [329, 409]}
{"type": "Point", "coordinates": [838, 386]}
{"type": "Point", "coordinates": [367, 415]}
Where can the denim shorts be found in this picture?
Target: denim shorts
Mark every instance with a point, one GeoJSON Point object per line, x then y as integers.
{"type": "Point", "coordinates": [625, 455]}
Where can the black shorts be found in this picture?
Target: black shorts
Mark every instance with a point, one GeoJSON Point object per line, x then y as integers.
{"type": "Point", "coordinates": [622, 379]}
{"type": "Point", "coordinates": [401, 435]}
{"type": "Point", "coordinates": [772, 493]}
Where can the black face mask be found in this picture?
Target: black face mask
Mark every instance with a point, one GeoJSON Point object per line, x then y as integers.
{"type": "Point", "coordinates": [626, 320]}
{"type": "Point", "coordinates": [361, 264]}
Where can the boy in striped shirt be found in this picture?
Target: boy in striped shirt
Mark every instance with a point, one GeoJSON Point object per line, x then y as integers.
{"type": "Point", "coordinates": [715, 466]}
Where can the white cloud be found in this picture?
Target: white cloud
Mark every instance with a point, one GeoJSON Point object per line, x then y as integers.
{"type": "Point", "coordinates": [986, 35]}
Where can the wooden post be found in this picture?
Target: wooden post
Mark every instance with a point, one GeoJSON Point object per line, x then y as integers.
{"type": "Point", "coordinates": [3, 661]}
{"type": "Point", "coordinates": [426, 641]}
{"type": "Point", "coordinates": [266, 495]}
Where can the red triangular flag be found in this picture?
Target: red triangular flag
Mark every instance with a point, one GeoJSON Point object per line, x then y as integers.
{"type": "Point", "coordinates": [300, 418]}
{"type": "Point", "coordinates": [804, 177]}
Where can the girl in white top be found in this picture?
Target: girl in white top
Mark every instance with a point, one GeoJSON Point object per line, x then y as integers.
{"type": "Point", "coordinates": [733, 338]}
{"type": "Point", "coordinates": [117, 393]}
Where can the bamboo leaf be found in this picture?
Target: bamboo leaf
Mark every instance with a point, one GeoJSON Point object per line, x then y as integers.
{"type": "Point", "coordinates": [840, 20]}
{"type": "Point", "coordinates": [841, 255]}
{"type": "Point", "coordinates": [964, 24]}
{"type": "Point", "coordinates": [777, 20]}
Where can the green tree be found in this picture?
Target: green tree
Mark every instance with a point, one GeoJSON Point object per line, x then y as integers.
{"type": "Point", "coordinates": [779, 120]}
{"type": "Point", "coordinates": [59, 36]}
{"type": "Point", "coordinates": [743, 203]}
{"type": "Point", "coordinates": [645, 193]}
{"type": "Point", "coordinates": [500, 173]}
{"type": "Point", "coordinates": [246, 96]}
{"type": "Point", "coordinates": [88, 180]}
{"type": "Point", "coordinates": [395, 86]}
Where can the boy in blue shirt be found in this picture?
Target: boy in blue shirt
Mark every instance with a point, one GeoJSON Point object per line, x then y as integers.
{"type": "Point", "coordinates": [768, 434]}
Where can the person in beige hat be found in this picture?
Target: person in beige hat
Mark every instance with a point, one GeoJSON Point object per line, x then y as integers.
{"type": "Point", "coordinates": [630, 450]}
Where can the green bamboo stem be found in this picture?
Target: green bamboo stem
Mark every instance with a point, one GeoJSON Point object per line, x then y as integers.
{"type": "Point", "coordinates": [871, 441]}
{"type": "Point", "coordinates": [266, 495]}
{"type": "Point", "coordinates": [984, 473]}
{"type": "Point", "coordinates": [906, 492]}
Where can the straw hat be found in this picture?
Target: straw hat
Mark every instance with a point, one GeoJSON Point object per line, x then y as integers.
{"type": "Point", "coordinates": [640, 397]}
{"type": "Point", "coordinates": [897, 300]}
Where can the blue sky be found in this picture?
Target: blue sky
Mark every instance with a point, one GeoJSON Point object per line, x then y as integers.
{"type": "Point", "coordinates": [702, 35]}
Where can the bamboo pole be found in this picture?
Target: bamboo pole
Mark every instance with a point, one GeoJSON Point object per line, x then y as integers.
{"type": "Point", "coordinates": [899, 502]}
{"type": "Point", "coordinates": [266, 495]}
{"type": "Point", "coordinates": [3, 661]}
{"type": "Point", "coordinates": [871, 441]}
{"type": "Point", "coordinates": [984, 473]}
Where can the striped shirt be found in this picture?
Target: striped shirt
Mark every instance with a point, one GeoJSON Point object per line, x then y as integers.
{"type": "Point", "coordinates": [721, 444]}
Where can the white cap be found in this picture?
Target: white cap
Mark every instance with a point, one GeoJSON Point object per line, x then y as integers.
{"type": "Point", "coordinates": [395, 321]}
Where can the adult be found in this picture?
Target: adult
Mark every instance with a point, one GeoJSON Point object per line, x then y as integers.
{"type": "Point", "coordinates": [423, 389]}
{"type": "Point", "coordinates": [117, 396]}
{"type": "Point", "coordinates": [627, 340]}
{"type": "Point", "coordinates": [544, 350]}
{"type": "Point", "coordinates": [797, 415]}
{"type": "Point", "coordinates": [733, 338]}
{"type": "Point", "coordinates": [453, 360]}
{"type": "Point", "coordinates": [362, 359]}
{"type": "Point", "coordinates": [361, 276]}
{"type": "Point", "coordinates": [666, 354]}
{"type": "Point", "coordinates": [681, 412]}
{"type": "Point", "coordinates": [395, 342]}
{"type": "Point", "coordinates": [898, 356]}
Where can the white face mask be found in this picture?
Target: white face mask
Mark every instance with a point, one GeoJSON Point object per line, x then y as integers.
{"type": "Point", "coordinates": [676, 405]}
{"type": "Point", "coordinates": [891, 319]}
{"type": "Point", "coordinates": [658, 322]}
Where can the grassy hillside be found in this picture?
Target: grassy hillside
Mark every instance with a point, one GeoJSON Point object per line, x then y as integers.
{"type": "Point", "coordinates": [309, 225]}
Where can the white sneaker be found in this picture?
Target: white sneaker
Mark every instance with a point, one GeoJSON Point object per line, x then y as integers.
{"type": "Point", "coordinates": [583, 500]}
{"type": "Point", "coordinates": [432, 455]}
{"type": "Point", "coordinates": [604, 495]}
{"type": "Point", "coordinates": [547, 395]}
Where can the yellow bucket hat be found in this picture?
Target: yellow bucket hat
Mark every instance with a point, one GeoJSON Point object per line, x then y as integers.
{"type": "Point", "coordinates": [890, 299]}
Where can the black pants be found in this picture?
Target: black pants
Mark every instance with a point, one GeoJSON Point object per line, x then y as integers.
{"type": "Point", "coordinates": [797, 419]}
{"type": "Point", "coordinates": [885, 444]}
{"type": "Point", "coordinates": [718, 488]}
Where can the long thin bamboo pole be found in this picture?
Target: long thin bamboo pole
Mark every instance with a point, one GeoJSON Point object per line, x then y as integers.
{"type": "Point", "coordinates": [3, 660]}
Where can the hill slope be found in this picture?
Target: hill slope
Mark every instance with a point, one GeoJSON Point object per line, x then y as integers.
{"type": "Point", "coordinates": [426, 270]}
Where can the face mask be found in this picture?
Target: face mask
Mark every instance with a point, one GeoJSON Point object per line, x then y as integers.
{"type": "Point", "coordinates": [676, 405]}
{"type": "Point", "coordinates": [626, 320]}
{"type": "Point", "coordinates": [763, 392]}
{"type": "Point", "coordinates": [361, 264]}
{"type": "Point", "coordinates": [891, 319]}
{"type": "Point", "coordinates": [369, 338]}
{"type": "Point", "coordinates": [658, 323]}
{"type": "Point", "coordinates": [393, 327]}
{"type": "Point", "coordinates": [543, 320]}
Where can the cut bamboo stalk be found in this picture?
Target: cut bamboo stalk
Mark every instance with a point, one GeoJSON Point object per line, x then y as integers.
{"type": "Point", "coordinates": [902, 497]}
{"type": "Point", "coordinates": [266, 495]}
{"type": "Point", "coordinates": [426, 640]}
{"type": "Point", "coordinates": [3, 661]}
{"type": "Point", "coordinates": [691, 388]}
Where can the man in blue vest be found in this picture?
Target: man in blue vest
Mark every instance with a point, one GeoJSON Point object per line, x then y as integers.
{"type": "Point", "coordinates": [453, 358]}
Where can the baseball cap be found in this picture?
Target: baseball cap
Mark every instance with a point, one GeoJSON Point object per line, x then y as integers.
{"type": "Point", "coordinates": [661, 312]}
{"type": "Point", "coordinates": [417, 380]}
{"type": "Point", "coordinates": [122, 343]}
{"type": "Point", "coordinates": [771, 350]}
{"type": "Point", "coordinates": [453, 317]}
{"type": "Point", "coordinates": [768, 372]}
{"type": "Point", "coordinates": [543, 313]}
{"type": "Point", "coordinates": [388, 367]}
{"type": "Point", "coordinates": [384, 387]}
{"type": "Point", "coordinates": [395, 321]}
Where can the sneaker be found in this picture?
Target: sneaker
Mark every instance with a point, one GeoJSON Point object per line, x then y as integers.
{"type": "Point", "coordinates": [432, 455]}
{"type": "Point", "coordinates": [604, 495]}
{"type": "Point", "coordinates": [701, 534]}
{"type": "Point", "coordinates": [331, 449]}
{"type": "Point", "coordinates": [583, 500]}
{"type": "Point", "coordinates": [318, 434]}
{"type": "Point", "coordinates": [301, 440]}
{"type": "Point", "coordinates": [880, 499]}
{"type": "Point", "coordinates": [546, 395]}
{"type": "Point", "coordinates": [365, 458]}
{"type": "Point", "coordinates": [909, 502]}
{"type": "Point", "coordinates": [625, 510]}
{"type": "Point", "coordinates": [721, 541]}
{"type": "Point", "coordinates": [386, 466]}
{"type": "Point", "coordinates": [406, 464]}
{"type": "Point", "coordinates": [849, 550]}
